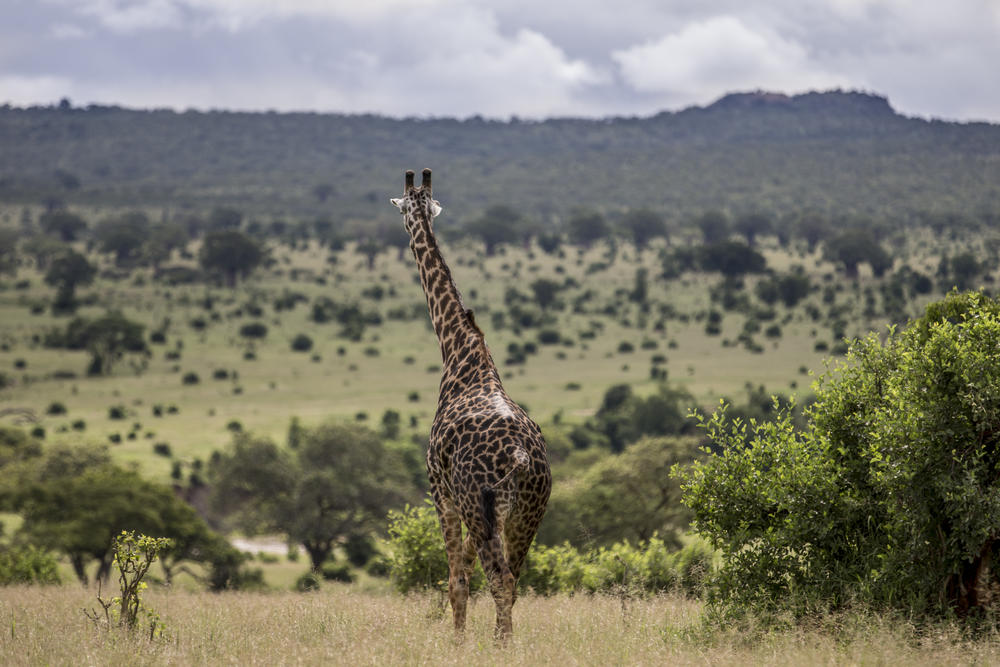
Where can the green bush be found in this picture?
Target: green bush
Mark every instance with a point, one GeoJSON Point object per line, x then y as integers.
{"type": "Point", "coordinates": [308, 582]}
{"type": "Point", "coordinates": [419, 562]}
{"type": "Point", "coordinates": [335, 572]}
{"type": "Point", "coordinates": [27, 565]}
{"type": "Point", "coordinates": [302, 343]}
{"type": "Point", "coordinates": [889, 494]}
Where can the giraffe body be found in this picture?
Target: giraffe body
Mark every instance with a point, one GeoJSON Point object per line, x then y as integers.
{"type": "Point", "coordinates": [486, 459]}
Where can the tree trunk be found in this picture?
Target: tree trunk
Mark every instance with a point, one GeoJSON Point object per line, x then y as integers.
{"type": "Point", "coordinates": [79, 567]}
{"type": "Point", "coordinates": [318, 552]}
{"type": "Point", "coordinates": [969, 589]}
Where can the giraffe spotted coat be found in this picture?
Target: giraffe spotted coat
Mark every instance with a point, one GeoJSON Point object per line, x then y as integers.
{"type": "Point", "coordinates": [486, 459]}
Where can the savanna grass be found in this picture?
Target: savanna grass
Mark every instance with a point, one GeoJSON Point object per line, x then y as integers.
{"type": "Point", "coordinates": [341, 626]}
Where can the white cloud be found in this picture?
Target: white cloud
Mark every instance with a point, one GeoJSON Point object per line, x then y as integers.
{"type": "Point", "coordinates": [29, 90]}
{"type": "Point", "coordinates": [708, 58]}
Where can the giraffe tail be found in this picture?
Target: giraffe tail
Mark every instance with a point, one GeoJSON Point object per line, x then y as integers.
{"type": "Point", "coordinates": [488, 504]}
{"type": "Point", "coordinates": [507, 487]}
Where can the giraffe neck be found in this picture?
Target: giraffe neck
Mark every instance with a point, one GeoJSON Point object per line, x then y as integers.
{"type": "Point", "coordinates": [453, 323]}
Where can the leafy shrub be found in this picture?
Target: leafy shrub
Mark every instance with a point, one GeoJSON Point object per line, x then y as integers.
{"type": "Point", "coordinates": [335, 572]}
{"type": "Point", "coordinates": [888, 495]}
{"type": "Point", "coordinates": [56, 408]}
{"type": "Point", "coordinates": [190, 378]}
{"type": "Point", "coordinates": [27, 565]}
{"type": "Point", "coordinates": [419, 562]}
{"type": "Point", "coordinates": [254, 330]}
{"type": "Point", "coordinates": [220, 374]}
{"type": "Point", "coordinates": [307, 582]}
{"type": "Point", "coordinates": [117, 412]}
{"type": "Point", "coordinates": [79, 425]}
{"type": "Point", "coordinates": [162, 449]}
{"type": "Point", "coordinates": [302, 343]}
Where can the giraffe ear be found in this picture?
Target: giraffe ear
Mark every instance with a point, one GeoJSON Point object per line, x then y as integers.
{"type": "Point", "coordinates": [435, 208]}
{"type": "Point", "coordinates": [398, 203]}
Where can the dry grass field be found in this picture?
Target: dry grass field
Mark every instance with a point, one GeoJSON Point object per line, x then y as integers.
{"type": "Point", "coordinates": [342, 626]}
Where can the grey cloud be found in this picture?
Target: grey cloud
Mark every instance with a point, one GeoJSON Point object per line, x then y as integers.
{"type": "Point", "coordinates": [453, 57]}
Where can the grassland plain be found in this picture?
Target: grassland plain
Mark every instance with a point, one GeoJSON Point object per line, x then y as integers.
{"type": "Point", "coordinates": [342, 626]}
{"type": "Point", "coordinates": [394, 365]}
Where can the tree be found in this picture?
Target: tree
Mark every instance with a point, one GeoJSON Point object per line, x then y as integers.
{"type": "Point", "coordinates": [163, 239]}
{"type": "Point", "coordinates": [223, 218]}
{"type": "Point", "coordinates": [888, 496]}
{"type": "Point", "coordinates": [585, 227]}
{"type": "Point", "coordinates": [644, 225]}
{"type": "Point", "coordinates": [546, 291]}
{"type": "Point", "coordinates": [714, 226]}
{"type": "Point", "coordinates": [63, 224]}
{"type": "Point", "coordinates": [731, 259]}
{"type": "Point", "coordinates": [76, 501]}
{"type": "Point", "coordinates": [628, 496]}
{"type": "Point", "coordinates": [107, 339]}
{"type": "Point", "coordinates": [232, 253]}
{"type": "Point", "coordinates": [854, 247]}
{"type": "Point", "coordinates": [124, 236]}
{"type": "Point", "coordinates": [43, 249]}
{"type": "Point", "coordinates": [322, 192]}
{"type": "Point", "coordinates": [8, 251]}
{"type": "Point", "coordinates": [340, 480]}
{"type": "Point", "coordinates": [752, 225]}
{"type": "Point", "coordinates": [67, 272]}
{"type": "Point", "coordinates": [495, 226]}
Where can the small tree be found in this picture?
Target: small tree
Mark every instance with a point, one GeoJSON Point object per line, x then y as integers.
{"type": "Point", "coordinates": [586, 227]}
{"type": "Point", "coordinates": [495, 226]}
{"type": "Point", "coordinates": [889, 494]}
{"type": "Point", "coordinates": [644, 225]}
{"type": "Point", "coordinates": [62, 224]}
{"type": "Point", "coordinates": [232, 253]}
{"type": "Point", "coordinates": [67, 272]}
{"type": "Point", "coordinates": [123, 236]}
{"type": "Point", "coordinates": [340, 480]}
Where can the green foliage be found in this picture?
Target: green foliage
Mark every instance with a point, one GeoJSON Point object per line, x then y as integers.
{"type": "Point", "coordinates": [888, 495]}
{"type": "Point", "coordinates": [418, 558]}
{"type": "Point", "coordinates": [230, 252]}
{"type": "Point", "coordinates": [133, 556]}
{"type": "Point", "coordinates": [74, 500]}
{"type": "Point", "coordinates": [27, 565]}
{"type": "Point", "coordinates": [731, 258]}
{"type": "Point", "coordinates": [67, 271]}
{"type": "Point", "coordinates": [628, 496]}
{"type": "Point", "coordinates": [339, 480]}
{"type": "Point", "coordinates": [419, 562]}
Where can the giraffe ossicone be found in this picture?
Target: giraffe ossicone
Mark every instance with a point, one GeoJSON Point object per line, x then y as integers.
{"type": "Point", "coordinates": [486, 459]}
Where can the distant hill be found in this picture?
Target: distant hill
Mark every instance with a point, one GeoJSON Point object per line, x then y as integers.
{"type": "Point", "coordinates": [839, 152]}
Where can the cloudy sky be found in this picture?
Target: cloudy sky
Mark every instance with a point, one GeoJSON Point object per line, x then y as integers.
{"type": "Point", "coordinates": [530, 58]}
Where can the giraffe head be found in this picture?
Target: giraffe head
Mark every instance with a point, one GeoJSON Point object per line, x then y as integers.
{"type": "Point", "coordinates": [417, 204]}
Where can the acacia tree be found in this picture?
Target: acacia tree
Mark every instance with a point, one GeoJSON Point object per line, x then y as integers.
{"type": "Point", "coordinates": [66, 272]}
{"type": "Point", "coordinates": [76, 501]}
{"type": "Point", "coordinates": [629, 496]}
{"type": "Point", "coordinates": [339, 481]}
{"type": "Point", "coordinates": [585, 227]}
{"type": "Point", "coordinates": [232, 253]}
{"type": "Point", "coordinates": [123, 236]}
{"type": "Point", "coordinates": [107, 339]}
{"type": "Point", "coordinates": [888, 495]}
{"type": "Point", "coordinates": [496, 225]}
{"type": "Point", "coordinates": [644, 225]}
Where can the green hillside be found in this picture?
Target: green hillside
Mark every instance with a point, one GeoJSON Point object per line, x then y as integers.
{"type": "Point", "coordinates": [837, 152]}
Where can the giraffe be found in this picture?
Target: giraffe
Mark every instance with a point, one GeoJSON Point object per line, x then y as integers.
{"type": "Point", "coordinates": [486, 459]}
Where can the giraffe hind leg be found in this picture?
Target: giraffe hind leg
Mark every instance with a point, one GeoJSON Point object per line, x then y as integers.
{"type": "Point", "coordinates": [458, 577]}
{"type": "Point", "coordinates": [493, 558]}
